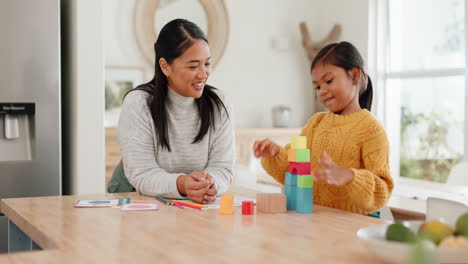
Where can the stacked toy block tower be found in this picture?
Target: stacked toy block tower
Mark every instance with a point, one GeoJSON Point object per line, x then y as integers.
{"type": "Point", "coordinates": [299, 182]}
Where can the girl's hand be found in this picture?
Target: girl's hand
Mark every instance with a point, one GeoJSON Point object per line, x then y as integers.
{"type": "Point", "coordinates": [332, 173]}
{"type": "Point", "coordinates": [265, 148]}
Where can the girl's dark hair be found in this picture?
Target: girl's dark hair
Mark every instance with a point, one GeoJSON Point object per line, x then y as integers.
{"type": "Point", "coordinates": [174, 39]}
{"type": "Point", "coordinates": [346, 56]}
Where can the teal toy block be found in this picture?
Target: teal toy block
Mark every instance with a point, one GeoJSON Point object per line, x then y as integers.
{"type": "Point", "coordinates": [304, 200]}
{"type": "Point", "coordinates": [291, 195]}
{"type": "Point", "coordinates": [290, 179]}
{"type": "Point", "coordinates": [302, 155]}
{"type": "Point", "coordinates": [305, 181]}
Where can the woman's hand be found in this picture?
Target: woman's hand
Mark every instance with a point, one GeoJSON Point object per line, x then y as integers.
{"type": "Point", "coordinates": [265, 148]}
{"type": "Point", "coordinates": [332, 173]}
{"type": "Point", "coordinates": [194, 185]}
{"type": "Point", "coordinates": [210, 195]}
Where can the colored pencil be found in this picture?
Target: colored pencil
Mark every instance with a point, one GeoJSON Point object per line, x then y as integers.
{"type": "Point", "coordinates": [187, 204]}
{"type": "Point", "coordinates": [178, 205]}
{"type": "Point", "coordinates": [190, 206]}
{"type": "Point", "coordinates": [164, 201]}
{"type": "Point", "coordinates": [184, 202]}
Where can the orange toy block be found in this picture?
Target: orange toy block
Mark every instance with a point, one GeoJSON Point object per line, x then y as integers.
{"type": "Point", "coordinates": [291, 155]}
{"type": "Point", "coordinates": [226, 204]}
{"type": "Point", "coordinates": [271, 203]}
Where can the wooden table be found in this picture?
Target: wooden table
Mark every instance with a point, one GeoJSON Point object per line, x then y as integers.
{"type": "Point", "coordinates": [172, 235]}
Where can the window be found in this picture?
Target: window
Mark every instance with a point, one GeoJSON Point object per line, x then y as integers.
{"type": "Point", "coordinates": [418, 53]}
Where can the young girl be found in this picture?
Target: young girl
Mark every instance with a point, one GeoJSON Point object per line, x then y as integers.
{"type": "Point", "coordinates": [349, 147]}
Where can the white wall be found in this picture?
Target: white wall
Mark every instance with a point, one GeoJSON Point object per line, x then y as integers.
{"type": "Point", "coordinates": [84, 92]}
{"type": "Point", "coordinates": [118, 39]}
{"type": "Point", "coordinates": [352, 15]}
{"type": "Point", "coordinates": [254, 75]}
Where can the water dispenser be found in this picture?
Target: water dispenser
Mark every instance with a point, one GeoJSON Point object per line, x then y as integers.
{"type": "Point", "coordinates": [17, 126]}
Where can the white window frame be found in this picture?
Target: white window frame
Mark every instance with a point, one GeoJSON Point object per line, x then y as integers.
{"type": "Point", "coordinates": [378, 68]}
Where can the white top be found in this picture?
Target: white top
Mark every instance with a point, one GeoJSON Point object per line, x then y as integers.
{"type": "Point", "coordinates": [153, 170]}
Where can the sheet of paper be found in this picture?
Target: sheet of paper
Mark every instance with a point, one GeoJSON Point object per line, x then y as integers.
{"type": "Point", "coordinates": [140, 206]}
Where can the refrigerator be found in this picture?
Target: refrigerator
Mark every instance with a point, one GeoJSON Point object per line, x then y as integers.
{"type": "Point", "coordinates": [30, 101]}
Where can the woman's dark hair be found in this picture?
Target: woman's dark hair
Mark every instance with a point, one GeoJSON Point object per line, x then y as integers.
{"type": "Point", "coordinates": [173, 40]}
{"type": "Point", "coordinates": [346, 56]}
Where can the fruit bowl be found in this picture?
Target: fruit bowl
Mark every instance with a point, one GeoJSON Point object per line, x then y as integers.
{"type": "Point", "coordinates": [397, 252]}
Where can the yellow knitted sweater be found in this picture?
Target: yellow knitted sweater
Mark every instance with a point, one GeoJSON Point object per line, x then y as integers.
{"type": "Point", "coordinates": [356, 141]}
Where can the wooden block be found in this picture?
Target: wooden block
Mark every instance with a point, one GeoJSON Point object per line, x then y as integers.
{"type": "Point", "coordinates": [271, 203]}
{"type": "Point", "coordinates": [226, 204]}
{"type": "Point", "coordinates": [302, 155]}
{"type": "Point", "coordinates": [299, 142]}
{"type": "Point", "coordinates": [305, 181]}
{"type": "Point", "coordinates": [299, 168]}
{"type": "Point", "coordinates": [292, 155]}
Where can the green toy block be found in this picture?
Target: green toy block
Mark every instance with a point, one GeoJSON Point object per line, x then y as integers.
{"type": "Point", "coordinates": [302, 155]}
{"type": "Point", "coordinates": [305, 181]}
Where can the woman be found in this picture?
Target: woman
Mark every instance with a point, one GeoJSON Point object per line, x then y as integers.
{"type": "Point", "coordinates": [175, 132]}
